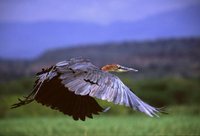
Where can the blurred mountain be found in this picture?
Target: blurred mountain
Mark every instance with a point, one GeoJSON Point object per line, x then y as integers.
{"type": "Point", "coordinates": [30, 39]}
{"type": "Point", "coordinates": [170, 57]}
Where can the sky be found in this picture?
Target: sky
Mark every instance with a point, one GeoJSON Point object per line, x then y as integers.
{"type": "Point", "coordinates": [92, 17]}
{"type": "Point", "coordinates": [101, 12]}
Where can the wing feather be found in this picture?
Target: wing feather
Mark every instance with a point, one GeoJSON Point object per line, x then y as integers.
{"type": "Point", "coordinates": [87, 79]}
{"type": "Point", "coordinates": [70, 86]}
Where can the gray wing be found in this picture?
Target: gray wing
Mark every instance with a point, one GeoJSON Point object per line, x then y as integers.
{"type": "Point", "coordinates": [49, 91]}
{"type": "Point", "coordinates": [83, 78]}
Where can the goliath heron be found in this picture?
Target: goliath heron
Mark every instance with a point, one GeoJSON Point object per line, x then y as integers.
{"type": "Point", "coordinates": [71, 86]}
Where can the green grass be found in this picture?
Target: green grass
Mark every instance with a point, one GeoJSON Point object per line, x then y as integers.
{"type": "Point", "coordinates": [35, 109]}
{"type": "Point", "coordinates": [180, 96]}
{"type": "Point", "coordinates": [101, 125]}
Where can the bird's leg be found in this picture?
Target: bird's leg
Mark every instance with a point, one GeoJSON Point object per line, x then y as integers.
{"type": "Point", "coordinates": [42, 79]}
{"type": "Point", "coordinates": [34, 93]}
{"type": "Point", "coordinates": [31, 97]}
{"type": "Point", "coordinates": [27, 99]}
{"type": "Point", "coordinates": [22, 102]}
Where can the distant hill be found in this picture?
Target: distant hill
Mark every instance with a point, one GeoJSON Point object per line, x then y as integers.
{"type": "Point", "coordinates": [172, 57]}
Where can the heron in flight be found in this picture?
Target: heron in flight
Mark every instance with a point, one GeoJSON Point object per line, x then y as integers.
{"type": "Point", "coordinates": [72, 86]}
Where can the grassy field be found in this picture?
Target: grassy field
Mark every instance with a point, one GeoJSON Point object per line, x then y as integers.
{"type": "Point", "coordinates": [102, 125]}
{"type": "Point", "coordinates": [180, 96]}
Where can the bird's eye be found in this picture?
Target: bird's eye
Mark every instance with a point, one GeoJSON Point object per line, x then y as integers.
{"type": "Point", "coordinates": [119, 67]}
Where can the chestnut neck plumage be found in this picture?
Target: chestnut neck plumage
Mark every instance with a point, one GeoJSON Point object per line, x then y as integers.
{"type": "Point", "coordinates": [110, 67]}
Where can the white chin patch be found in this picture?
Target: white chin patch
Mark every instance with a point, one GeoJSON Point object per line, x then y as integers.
{"type": "Point", "coordinates": [121, 70]}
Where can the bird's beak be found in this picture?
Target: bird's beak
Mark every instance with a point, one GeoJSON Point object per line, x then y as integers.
{"type": "Point", "coordinates": [132, 69]}
{"type": "Point", "coordinates": [125, 69]}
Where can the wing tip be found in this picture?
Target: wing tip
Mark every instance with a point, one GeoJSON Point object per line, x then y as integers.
{"type": "Point", "coordinates": [106, 109]}
{"type": "Point", "coordinates": [157, 111]}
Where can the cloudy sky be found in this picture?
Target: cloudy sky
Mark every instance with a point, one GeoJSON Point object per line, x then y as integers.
{"type": "Point", "coordinates": [102, 12]}
{"type": "Point", "coordinates": [30, 27]}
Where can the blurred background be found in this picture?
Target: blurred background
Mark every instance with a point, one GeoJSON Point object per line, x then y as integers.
{"type": "Point", "coordinates": [159, 38]}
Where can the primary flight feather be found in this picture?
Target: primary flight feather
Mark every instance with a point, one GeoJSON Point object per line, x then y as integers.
{"type": "Point", "coordinates": [71, 86]}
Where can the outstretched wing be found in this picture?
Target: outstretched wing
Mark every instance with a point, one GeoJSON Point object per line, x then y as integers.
{"type": "Point", "coordinates": [54, 95]}
{"type": "Point", "coordinates": [49, 91]}
{"type": "Point", "coordinates": [83, 78]}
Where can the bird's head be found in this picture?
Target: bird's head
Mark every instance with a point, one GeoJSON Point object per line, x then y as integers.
{"type": "Point", "coordinates": [117, 68]}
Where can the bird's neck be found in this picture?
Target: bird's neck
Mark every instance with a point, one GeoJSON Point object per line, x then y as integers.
{"type": "Point", "coordinates": [110, 67]}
